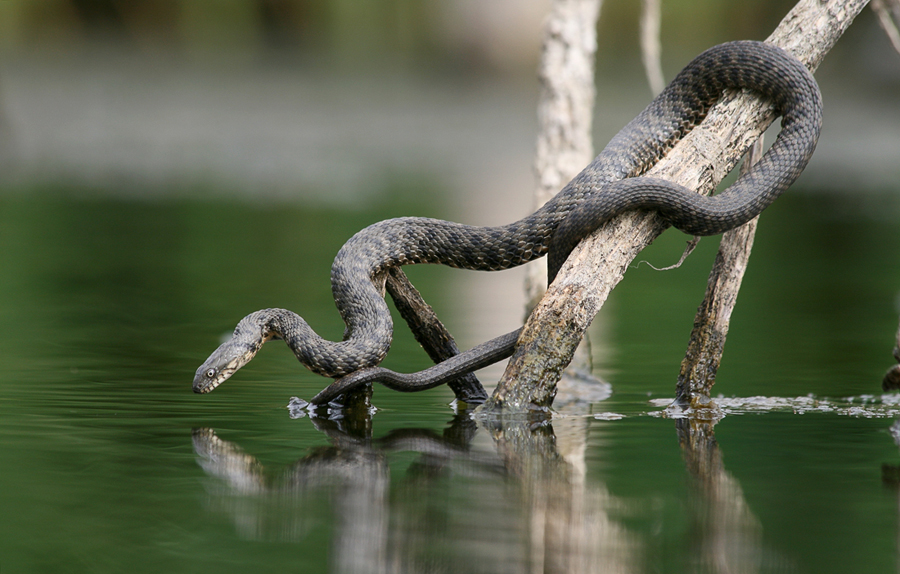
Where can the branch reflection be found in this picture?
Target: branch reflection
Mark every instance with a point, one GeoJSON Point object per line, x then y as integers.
{"type": "Point", "coordinates": [497, 496]}
{"type": "Point", "coordinates": [725, 536]}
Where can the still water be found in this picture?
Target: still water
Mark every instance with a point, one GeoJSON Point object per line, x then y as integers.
{"type": "Point", "coordinates": [111, 464]}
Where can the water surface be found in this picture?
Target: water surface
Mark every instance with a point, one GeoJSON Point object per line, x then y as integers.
{"type": "Point", "coordinates": [111, 464]}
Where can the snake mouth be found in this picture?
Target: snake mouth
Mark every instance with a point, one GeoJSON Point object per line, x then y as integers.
{"type": "Point", "coordinates": [202, 385]}
{"type": "Point", "coordinates": [205, 388]}
{"type": "Point", "coordinates": [208, 379]}
{"type": "Point", "coordinates": [224, 362]}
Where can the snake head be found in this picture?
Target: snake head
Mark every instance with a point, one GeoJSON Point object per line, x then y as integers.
{"type": "Point", "coordinates": [249, 335]}
{"type": "Point", "coordinates": [223, 363]}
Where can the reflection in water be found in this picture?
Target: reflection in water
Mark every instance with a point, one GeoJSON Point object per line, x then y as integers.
{"type": "Point", "coordinates": [522, 506]}
{"type": "Point", "coordinates": [725, 534]}
{"type": "Point", "coordinates": [890, 473]}
{"type": "Point", "coordinates": [276, 506]}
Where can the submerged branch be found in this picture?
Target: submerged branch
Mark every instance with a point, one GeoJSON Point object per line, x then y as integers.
{"type": "Point", "coordinates": [556, 326]}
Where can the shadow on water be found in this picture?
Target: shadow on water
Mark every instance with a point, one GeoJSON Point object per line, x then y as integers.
{"type": "Point", "coordinates": [521, 505]}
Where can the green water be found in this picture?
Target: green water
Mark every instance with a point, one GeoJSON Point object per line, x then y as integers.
{"type": "Point", "coordinates": [111, 464]}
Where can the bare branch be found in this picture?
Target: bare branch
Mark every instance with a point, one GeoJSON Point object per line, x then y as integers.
{"type": "Point", "coordinates": [430, 332]}
{"type": "Point", "coordinates": [888, 24]}
{"type": "Point", "coordinates": [704, 352]}
{"type": "Point", "coordinates": [651, 51]}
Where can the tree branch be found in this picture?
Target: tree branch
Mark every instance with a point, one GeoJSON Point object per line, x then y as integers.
{"type": "Point", "coordinates": [704, 352]}
{"type": "Point", "coordinates": [699, 161]}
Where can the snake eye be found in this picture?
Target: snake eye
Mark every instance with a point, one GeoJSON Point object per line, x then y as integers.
{"type": "Point", "coordinates": [210, 374]}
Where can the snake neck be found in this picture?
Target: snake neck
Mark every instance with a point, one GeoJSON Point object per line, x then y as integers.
{"type": "Point", "coordinates": [361, 347]}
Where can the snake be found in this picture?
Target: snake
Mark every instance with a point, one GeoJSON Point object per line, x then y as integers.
{"type": "Point", "coordinates": [610, 185]}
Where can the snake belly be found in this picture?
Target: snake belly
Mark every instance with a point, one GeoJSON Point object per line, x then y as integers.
{"type": "Point", "coordinates": [608, 186]}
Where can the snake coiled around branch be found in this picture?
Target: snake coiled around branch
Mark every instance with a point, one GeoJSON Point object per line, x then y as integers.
{"type": "Point", "coordinates": [610, 185]}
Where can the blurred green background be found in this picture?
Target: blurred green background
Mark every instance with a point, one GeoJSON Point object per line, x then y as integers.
{"type": "Point", "coordinates": [356, 31]}
{"type": "Point", "coordinates": [242, 93]}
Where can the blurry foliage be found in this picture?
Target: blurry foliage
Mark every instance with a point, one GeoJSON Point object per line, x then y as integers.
{"type": "Point", "coordinates": [355, 30]}
{"type": "Point", "coordinates": [358, 27]}
{"type": "Point", "coordinates": [691, 25]}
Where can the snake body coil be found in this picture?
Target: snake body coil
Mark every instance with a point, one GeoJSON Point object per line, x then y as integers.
{"type": "Point", "coordinates": [608, 186]}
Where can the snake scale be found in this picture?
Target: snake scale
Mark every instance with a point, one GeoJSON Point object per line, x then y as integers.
{"type": "Point", "coordinates": [610, 185]}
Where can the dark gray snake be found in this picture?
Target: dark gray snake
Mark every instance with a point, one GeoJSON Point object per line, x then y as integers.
{"type": "Point", "coordinates": [608, 186]}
